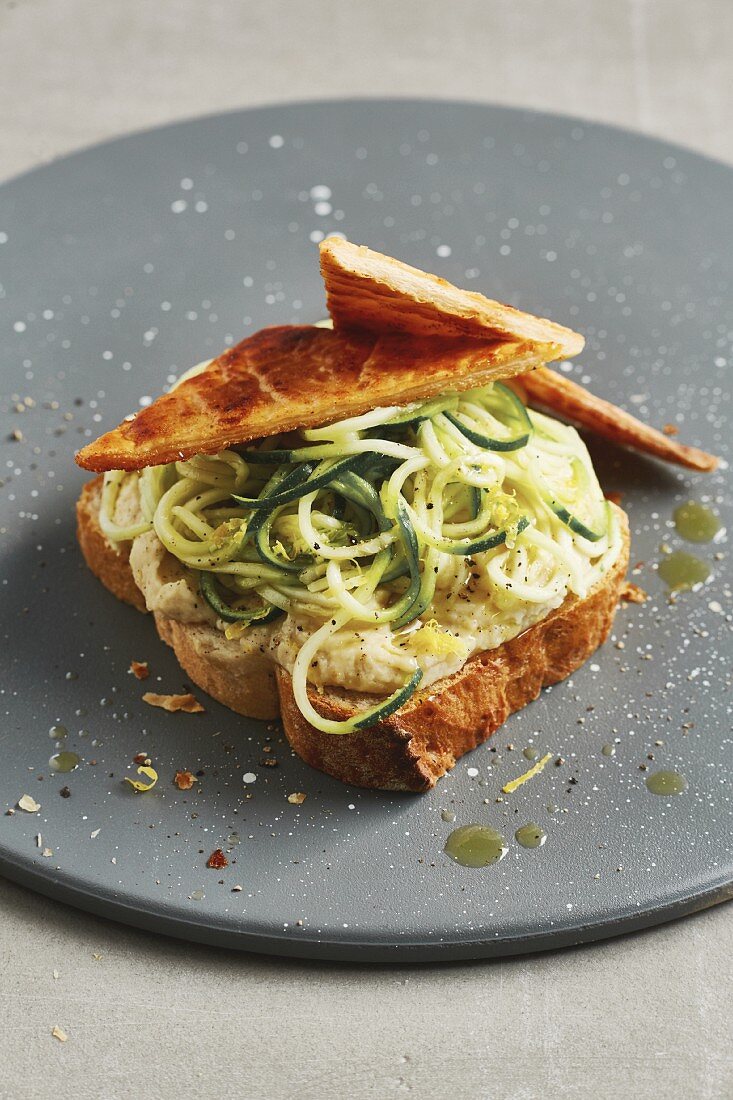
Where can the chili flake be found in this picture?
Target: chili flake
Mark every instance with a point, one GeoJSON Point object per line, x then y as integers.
{"type": "Point", "coordinates": [217, 860]}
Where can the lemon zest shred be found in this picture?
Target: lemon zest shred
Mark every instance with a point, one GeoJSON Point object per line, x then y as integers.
{"type": "Point", "coordinates": [432, 639]}
{"type": "Point", "coordinates": [512, 785]}
{"type": "Point", "coordinates": [143, 770]}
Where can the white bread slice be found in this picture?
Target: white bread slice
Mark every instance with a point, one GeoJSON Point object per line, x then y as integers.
{"type": "Point", "coordinates": [111, 565]}
{"type": "Point", "coordinates": [243, 681]}
{"type": "Point", "coordinates": [418, 744]}
{"type": "Point", "coordinates": [376, 293]}
{"type": "Point", "coordinates": [410, 750]}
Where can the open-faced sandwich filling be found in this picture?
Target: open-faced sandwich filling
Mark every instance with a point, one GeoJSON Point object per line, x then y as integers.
{"type": "Point", "coordinates": [379, 552]}
{"type": "Point", "coordinates": [369, 510]}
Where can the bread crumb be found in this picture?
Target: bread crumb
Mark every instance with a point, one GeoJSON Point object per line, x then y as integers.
{"type": "Point", "coordinates": [59, 1033]}
{"type": "Point", "coordinates": [670, 429]}
{"type": "Point", "coordinates": [631, 593]}
{"type": "Point", "coordinates": [29, 804]}
{"type": "Point", "coordinates": [297, 798]}
{"type": "Point", "coordinates": [187, 703]}
{"type": "Point", "coordinates": [184, 780]}
{"type": "Point", "coordinates": [139, 669]}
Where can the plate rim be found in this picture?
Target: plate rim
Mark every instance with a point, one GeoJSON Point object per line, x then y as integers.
{"type": "Point", "coordinates": [102, 904]}
{"type": "Point", "coordinates": [348, 101]}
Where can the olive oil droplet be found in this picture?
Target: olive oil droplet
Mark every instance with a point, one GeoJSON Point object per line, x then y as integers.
{"type": "Point", "coordinates": [64, 761]}
{"type": "Point", "coordinates": [681, 571]}
{"type": "Point", "coordinates": [608, 750]}
{"type": "Point", "coordinates": [530, 835]}
{"type": "Point", "coordinates": [530, 753]}
{"type": "Point", "coordinates": [666, 782]}
{"type": "Point", "coordinates": [57, 733]}
{"type": "Point", "coordinates": [695, 522]}
{"type": "Point", "coordinates": [475, 846]}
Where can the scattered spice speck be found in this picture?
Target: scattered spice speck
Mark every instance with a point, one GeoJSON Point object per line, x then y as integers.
{"type": "Point", "coordinates": [217, 860]}
{"type": "Point", "coordinates": [297, 798]}
{"type": "Point", "coordinates": [139, 669]}
{"type": "Point", "coordinates": [187, 703]}
{"type": "Point", "coordinates": [65, 792]}
{"type": "Point", "coordinates": [29, 804]}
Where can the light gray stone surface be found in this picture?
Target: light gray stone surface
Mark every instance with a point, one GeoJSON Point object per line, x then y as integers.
{"type": "Point", "coordinates": [647, 1016]}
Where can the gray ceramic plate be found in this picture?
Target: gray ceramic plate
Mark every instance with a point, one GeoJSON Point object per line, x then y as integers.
{"type": "Point", "coordinates": [125, 264]}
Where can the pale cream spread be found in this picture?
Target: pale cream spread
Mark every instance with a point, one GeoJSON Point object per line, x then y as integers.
{"type": "Point", "coordinates": [370, 659]}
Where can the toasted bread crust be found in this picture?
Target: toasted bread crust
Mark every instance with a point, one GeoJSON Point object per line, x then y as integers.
{"type": "Point", "coordinates": [573, 402]}
{"type": "Point", "coordinates": [366, 290]}
{"type": "Point", "coordinates": [111, 565]}
{"type": "Point", "coordinates": [301, 376]}
{"type": "Point", "coordinates": [413, 748]}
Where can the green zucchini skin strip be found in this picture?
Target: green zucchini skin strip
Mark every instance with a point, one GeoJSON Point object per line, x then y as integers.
{"type": "Point", "coordinates": [487, 442]}
{"type": "Point", "coordinates": [466, 547]}
{"type": "Point", "coordinates": [368, 718]}
{"type": "Point", "coordinates": [575, 524]}
{"type": "Point", "coordinates": [358, 491]}
{"type": "Point", "coordinates": [398, 699]}
{"type": "Point", "coordinates": [563, 511]}
{"type": "Point", "coordinates": [298, 483]}
{"type": "Point", "coordinates": [411, 604]}
{"type": "Point", "coordinates": [261, 532]}
{"type": "Point", "coordinates": [207, 587]}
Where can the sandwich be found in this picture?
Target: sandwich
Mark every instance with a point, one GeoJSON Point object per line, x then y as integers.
{"type": "Point", "coordinates": [369, 528]}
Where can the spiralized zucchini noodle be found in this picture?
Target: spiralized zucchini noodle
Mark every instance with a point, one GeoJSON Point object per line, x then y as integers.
{"type": "Point", "coordinates": [352, 524]}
